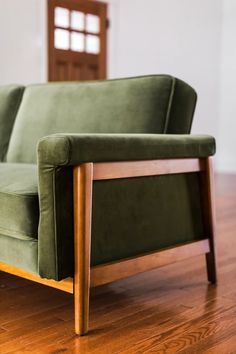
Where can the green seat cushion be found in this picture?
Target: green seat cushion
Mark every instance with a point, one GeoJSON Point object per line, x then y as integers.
{"type": "Point", "coordinates": [22, 254]}
{"type": "Point", "coordinates": [10, 98]}
{"type": "Point", "coordinates": [19, 205]}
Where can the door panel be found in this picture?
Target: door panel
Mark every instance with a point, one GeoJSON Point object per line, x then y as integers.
{"type": "Point", "coordinates": [77, 40]}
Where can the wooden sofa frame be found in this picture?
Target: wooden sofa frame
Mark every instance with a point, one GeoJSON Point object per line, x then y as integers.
{"type": "Point", "coordinates": [86, 276]}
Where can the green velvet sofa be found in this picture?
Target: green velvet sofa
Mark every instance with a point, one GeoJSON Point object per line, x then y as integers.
{"type": "Point", "coordinates": [101, 180]}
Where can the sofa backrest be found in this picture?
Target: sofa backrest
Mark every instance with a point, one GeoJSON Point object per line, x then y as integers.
{"type": "Point", "coordinates": [150, 104]}
{"type": "Point", "coordinates": [10, 98]}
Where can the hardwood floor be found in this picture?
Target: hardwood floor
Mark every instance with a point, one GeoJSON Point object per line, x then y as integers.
{"type": "Point", "coordinates": [169, 310]}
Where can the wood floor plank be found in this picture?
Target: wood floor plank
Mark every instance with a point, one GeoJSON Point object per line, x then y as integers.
{"type": "Point", "coordinates": [184, 337]}
{"type": "Point", "coordinates": [223, 345]}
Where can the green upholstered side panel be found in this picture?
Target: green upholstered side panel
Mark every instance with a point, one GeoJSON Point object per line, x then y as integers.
{"type": "Point", "coordinates": [19, 253]}
{"type": "Point", "coordinates": [56, 253]}
{"type": "Point", "coordinates": [10, 98]}
{"type": "Point", "coordinates": [19, 204]}
{"type": "Point", "coordinates": [130, 216]}
{"type": "Point", "coordinates": [134, 105]}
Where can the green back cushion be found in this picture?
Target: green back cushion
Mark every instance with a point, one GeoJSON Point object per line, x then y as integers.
{"type": "Point", "coordinates": [10, 98]}
{"type": "Point", "coordinates": [151, 104]}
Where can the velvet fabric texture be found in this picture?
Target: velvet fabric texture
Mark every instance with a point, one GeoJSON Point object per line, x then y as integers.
{"type": "Point", "coordinates": [71, 149]}
{"type": "Point", "coordinates": [118, 120]}
{"type": "Point", "coordinates": [22, 254]}
{"type": "Point", "coordinates": [10, 98]}
{"type": "Point", "coordinates": [19, 205]}
{"type": "Point", "coordinates": [133, 216]}
{"type": "Point", "coordinates": [152, 104]}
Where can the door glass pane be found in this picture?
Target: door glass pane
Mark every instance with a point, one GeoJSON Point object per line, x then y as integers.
{"type": "Point", "coordinates": [92, 24]}
{"type": "Point", "coordinates": [77, 42]}
{"type": "Point", "coordinates": [92, 44]}
{"type": "Point", "coordinates": [62, 39]}
{"type": "Point", "coordinates": [62, 17]}
{"type": "Point", "coordinates": [77, 20]}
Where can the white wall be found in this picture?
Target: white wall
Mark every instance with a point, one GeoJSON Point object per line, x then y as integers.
{"type": "Point", "coordinates": [22, 41]}
{"type": "Point", "coordinates": [227, 137]}
{"type": "Point", "coordinates": [181, 38]}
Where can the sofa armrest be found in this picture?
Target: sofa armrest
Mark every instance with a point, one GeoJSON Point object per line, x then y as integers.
{"type": "Point", "coordinates": [57, 154]}
{"type": "Point", "coordinates": [74, 149]}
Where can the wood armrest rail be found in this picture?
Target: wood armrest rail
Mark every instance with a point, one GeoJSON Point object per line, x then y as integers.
{"type": "Point", "coordinates": [106, 273]}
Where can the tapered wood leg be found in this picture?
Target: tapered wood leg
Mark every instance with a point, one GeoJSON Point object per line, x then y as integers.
{"type": "Point", "coordinates": [82, 243]}
{"type": "Point", "coordinates": [210, 220]}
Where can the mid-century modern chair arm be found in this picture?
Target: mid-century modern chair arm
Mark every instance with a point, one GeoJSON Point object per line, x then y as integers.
{"type": "Point", "coordinates": [73, 149]}
{"type": "Point", "coordinates": [58, 153]}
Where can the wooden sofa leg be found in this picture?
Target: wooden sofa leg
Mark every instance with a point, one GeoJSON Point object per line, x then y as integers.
{"type": "Point", "coordinates": [210, 220]}
{"type": "Point", "coordinates": [82, 244]}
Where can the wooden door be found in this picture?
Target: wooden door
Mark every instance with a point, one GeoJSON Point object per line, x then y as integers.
{"type": "Point", "coordinates": [76, 40]}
